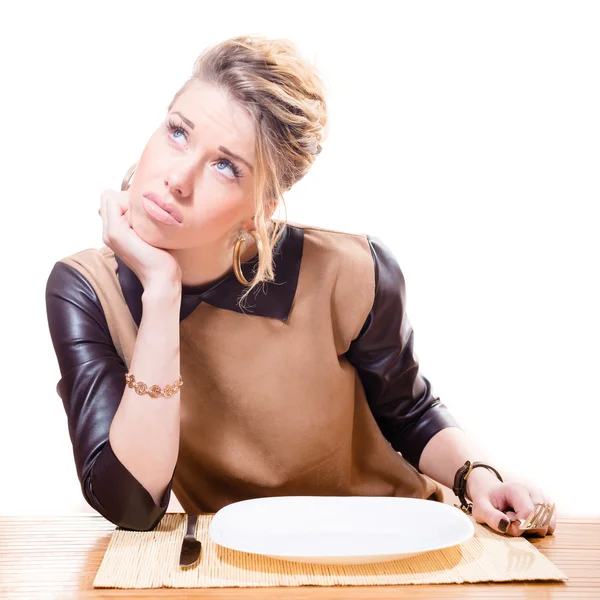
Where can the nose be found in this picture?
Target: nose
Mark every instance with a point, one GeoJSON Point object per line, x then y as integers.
{"type": "Point", "coordinates": [174, 190]}
{"type": "Point", "coordinates": [180, 180]}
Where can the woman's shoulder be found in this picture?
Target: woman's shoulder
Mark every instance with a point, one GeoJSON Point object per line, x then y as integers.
{"type": "Point", "coordinates": [90, 263]}
{"type": "Point", "coordinates": [84, 288]}
{"type": "Point", "coordinates": [83, 276]}
{"type": "Point", "coordinates": [343, 255]}
{"type": "Point", "coordinates": [331, 243]}
{"type": "Point", "coordinates": [90, 256]}
{"type": "Point", "coordinates": [339, 266]}
{"type": "Point", "coordinates": [73, 276]}
{"type": "Point", "coordinates": [325, 232]}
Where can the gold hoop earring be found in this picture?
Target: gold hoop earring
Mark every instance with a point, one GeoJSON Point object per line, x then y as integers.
{"type": "Point", "coordinates": [237, 267]}
{"type": "Point", "coordinates": [127, 179]}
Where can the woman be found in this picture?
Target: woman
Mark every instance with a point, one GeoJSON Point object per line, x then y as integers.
{"type": "Point", "coordinates": [171, 382]}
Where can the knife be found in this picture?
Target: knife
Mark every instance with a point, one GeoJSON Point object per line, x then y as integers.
{"type": "Point", "coordinates": [190, 549]}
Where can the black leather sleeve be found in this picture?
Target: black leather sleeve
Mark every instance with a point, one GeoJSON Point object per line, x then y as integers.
{"type": "Point", "coordinates": [91, 387]}
{"type": "Point", "coordinates": [400, 396]}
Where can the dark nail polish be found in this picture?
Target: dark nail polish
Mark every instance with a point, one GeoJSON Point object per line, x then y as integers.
{"type": "Point", "coordinates": [503, 525]}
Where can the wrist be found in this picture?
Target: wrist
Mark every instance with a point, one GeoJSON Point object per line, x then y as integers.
{"type": "Point", "coordinates": [479, 480]}
{"type": "Point", "coordinates": [165, 291]}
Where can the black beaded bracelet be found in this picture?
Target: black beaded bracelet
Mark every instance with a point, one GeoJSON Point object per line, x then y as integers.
{"type": "Point", "coordinates": [460, 483]}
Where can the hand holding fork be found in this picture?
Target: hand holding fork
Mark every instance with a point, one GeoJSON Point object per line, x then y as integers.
{"type": "Point", "coordinates": [502, 504]}
{"type": "Point", "coordinates": [539, 518]}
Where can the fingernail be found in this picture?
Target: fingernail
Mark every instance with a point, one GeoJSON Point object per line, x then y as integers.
{"type": "Point", "coordinates": [503, 525]}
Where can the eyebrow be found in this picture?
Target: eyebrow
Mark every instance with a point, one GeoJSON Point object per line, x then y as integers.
{"type": "Point", "coordinates": [221, 148]}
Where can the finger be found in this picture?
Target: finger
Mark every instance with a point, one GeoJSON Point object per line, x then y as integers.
{"type": "Point", "coordinates": [543, 497]}
{"type": "Point", "coordinates": [537, 497]}
{"type": "Point", "coordinates": [103, 215]}
{"type": "Point", "coordinates": [485, 512]}
{"type": "Point", "coordinates": [518, 498]}
{"type": "Point", "coordinates": [111, 209]}
{"type": "Point", "coordinates": [552, 525]}
{"type": "Point", "coordinates": [122, 198]}
{"type": "Point", "coordinates": [542, 516]}
{"type": "Point", "coordinates": [112, 222]}
{"type": "Point", "coordinates": [124, 204]}
{"type": "Point", "coordinates": [116, 204]}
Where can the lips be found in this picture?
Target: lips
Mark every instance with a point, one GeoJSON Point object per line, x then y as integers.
{"type": "Point", "coordinates": [167, 206]}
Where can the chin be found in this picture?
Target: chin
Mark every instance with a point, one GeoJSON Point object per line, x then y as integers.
{"type": "Point", "coordinates": [151, 233]}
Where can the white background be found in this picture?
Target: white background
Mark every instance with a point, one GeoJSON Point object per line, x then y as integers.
{"type": "Point", "coordinates": [466, 135]}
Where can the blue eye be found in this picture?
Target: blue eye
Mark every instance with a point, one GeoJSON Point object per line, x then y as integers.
{"type": "Point", "coordinates": [236, 172]}
{"type": "Point", "coordinates": [173, 127]}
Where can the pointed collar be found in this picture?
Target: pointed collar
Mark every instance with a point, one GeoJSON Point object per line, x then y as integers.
{"type": "Point", "coordinates": [273, 299]}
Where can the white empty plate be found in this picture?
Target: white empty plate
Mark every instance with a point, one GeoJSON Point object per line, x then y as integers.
{"type": "Point", "coordinates": [339, 529]}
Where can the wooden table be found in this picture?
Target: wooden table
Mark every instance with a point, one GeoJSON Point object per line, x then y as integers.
{"type": "Point", "coordinates": [58, 557]}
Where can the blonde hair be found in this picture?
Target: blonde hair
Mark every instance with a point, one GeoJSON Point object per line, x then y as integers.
{"type": "Point", "coordinates": [285, 97]}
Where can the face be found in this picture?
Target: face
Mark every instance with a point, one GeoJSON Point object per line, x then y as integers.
{"type": "Point", "coordinates": [189, 163]}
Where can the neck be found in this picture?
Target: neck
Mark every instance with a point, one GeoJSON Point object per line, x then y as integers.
{"type": "Point", "coordinates": [206, 264]}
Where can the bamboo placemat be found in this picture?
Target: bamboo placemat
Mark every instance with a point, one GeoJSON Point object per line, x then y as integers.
{"type": "Point", "coordinates": [150, 559]}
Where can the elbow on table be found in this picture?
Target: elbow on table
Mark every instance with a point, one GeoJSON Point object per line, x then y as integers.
{"type": "Point", "coordinates": [112, 490]}
{"type": "Point", "coordinates": [128, 512]}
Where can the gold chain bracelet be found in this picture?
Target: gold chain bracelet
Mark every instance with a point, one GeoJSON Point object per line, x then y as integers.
{"type": "Point", "coordinates": [154, 390]}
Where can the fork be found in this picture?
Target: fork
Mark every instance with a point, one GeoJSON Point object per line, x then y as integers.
{"type": "Point", "coordinates": [539, 518]}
